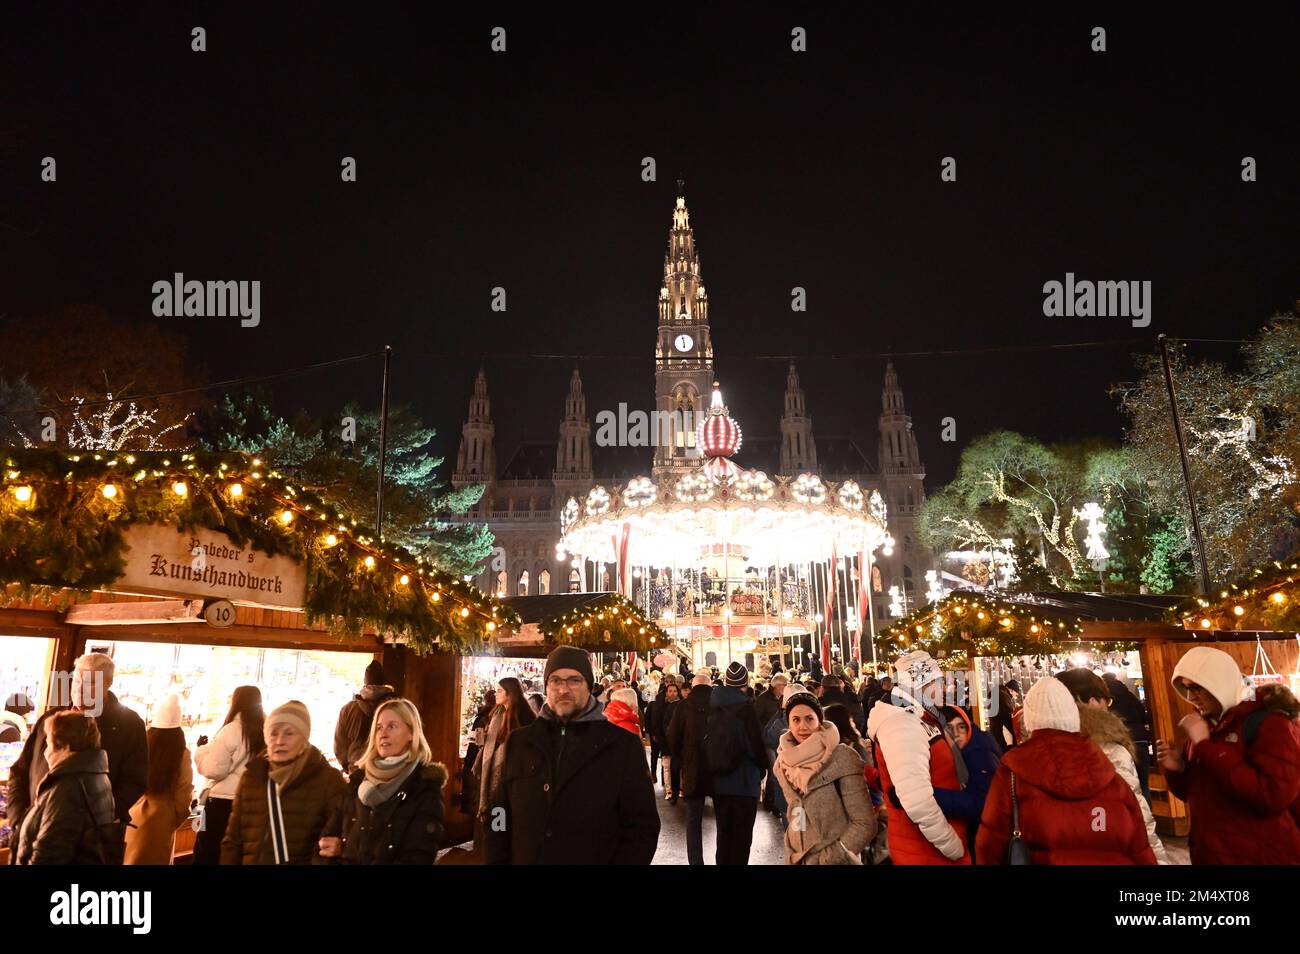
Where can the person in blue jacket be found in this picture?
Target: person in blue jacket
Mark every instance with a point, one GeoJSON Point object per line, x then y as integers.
{"type": "Point", "coordinates": [980, 753]}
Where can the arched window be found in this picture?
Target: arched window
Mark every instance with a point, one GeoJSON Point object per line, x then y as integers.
{"type": "Point", "coordinates": [501, 584]}
{"type": "Point", "coordinates": [606, 582]}
{"type": "Point", "coordinates": [876, 583]}
{"type": "Point", "coordinates": [544, 582]}
{"type": "Point", "coordinates": [523, 583]}
{"type": "Point", "coordinates": [575, 582]}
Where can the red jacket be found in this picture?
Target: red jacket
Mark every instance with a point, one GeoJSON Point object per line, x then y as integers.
{"type": "Point", "coordinates": [1240, 802]}
{"type": "Point", "coordinates": [623, 716]}
{"type": "Point", "coordinates": [1074, 809]}
{"type": "Point", "coordinates": [908, 845]}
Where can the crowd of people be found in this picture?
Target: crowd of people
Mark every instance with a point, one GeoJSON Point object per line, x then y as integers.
{"type": "Point", "coordinates": [884, 770]}
{"type": "Point", "coordinates": [103, 789]}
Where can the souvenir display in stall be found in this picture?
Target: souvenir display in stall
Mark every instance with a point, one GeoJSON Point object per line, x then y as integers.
{"type": "Point", "coordinates": [203, 677]}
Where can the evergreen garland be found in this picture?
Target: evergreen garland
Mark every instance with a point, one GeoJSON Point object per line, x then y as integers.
{"type": "Point", "coordinates": [59, 531]}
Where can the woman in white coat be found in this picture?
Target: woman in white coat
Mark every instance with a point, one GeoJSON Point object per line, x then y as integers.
{"type": "Point", "coordinates": [222, 763]}
{"type": "Point", "coordinates": [1109, 733]}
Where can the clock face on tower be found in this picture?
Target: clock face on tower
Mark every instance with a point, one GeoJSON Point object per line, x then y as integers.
{"type": "Point", "coordinates": [683, 342]}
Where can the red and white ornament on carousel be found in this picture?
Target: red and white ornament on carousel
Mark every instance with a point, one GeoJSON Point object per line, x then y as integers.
{"type": "Point", "coordinates": [719, 438]}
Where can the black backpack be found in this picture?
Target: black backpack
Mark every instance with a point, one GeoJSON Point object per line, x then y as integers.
{"type": "Point", "coordinates": [723, 751]}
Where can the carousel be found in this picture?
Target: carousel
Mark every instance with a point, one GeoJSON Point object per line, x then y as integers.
{"type": "Point", "coordinates": [735, 563]}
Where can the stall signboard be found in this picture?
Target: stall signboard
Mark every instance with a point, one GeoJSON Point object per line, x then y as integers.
{"type": "Point", "coordinates": [164, 561]}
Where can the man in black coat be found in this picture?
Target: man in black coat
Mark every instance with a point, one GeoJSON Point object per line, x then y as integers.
{"type": "Point", "coordinates": [574, 788]}
{"type": "Point", "coordinates": [686, 741]}
{"type": "Point", "coordinates": [121, 733]}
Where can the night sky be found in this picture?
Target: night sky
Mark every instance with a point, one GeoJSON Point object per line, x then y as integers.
{"type": "Point", "coordinates": [523, 170]}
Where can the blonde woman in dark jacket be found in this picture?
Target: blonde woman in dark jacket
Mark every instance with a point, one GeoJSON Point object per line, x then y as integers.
{"type": "Point", "coordinates": [830, 815]}
{"type": "Point", "coordinates": [392, 814]}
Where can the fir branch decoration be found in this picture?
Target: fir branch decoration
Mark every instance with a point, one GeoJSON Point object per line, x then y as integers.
{"type": "Point", "coordinates": [63, 517]}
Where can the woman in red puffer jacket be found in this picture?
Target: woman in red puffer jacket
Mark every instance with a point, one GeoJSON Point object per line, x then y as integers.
{"type": "Point", "coordinates": [1074, 808]}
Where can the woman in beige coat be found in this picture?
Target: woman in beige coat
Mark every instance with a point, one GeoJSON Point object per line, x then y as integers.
{"type": "Point", "coordinates": [830, 819]}
{"type": "Point", "coordinates": [165, 803]}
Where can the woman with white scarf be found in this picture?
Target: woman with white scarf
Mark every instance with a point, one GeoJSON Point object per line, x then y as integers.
{"type": "Point", "coordinates": [392, 814]}
{"type": "Point", "coordinates": [830, 818]}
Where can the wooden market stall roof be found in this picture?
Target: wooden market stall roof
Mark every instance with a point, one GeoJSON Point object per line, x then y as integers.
{"type": "Point", "coordinates": [998, 623]}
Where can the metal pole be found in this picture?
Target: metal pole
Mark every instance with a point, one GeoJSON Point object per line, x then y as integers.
{"type": "Point", "coordinates": [871, 611]}
{"type": "Point", "coordinates": [1187, 467]}
{"type": "Point", "coordinates": [383, 445]}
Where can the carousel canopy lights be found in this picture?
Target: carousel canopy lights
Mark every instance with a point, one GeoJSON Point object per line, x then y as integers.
{"type": "Point", "coordinates": [768, 521]}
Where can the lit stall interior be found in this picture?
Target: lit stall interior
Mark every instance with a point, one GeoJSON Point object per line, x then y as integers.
{"type": "Point", "coordinates": [204, 677]}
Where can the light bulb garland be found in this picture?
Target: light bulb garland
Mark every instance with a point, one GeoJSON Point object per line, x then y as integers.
{"type": "Point", "coordinates": [1265, 599]}
{"type": "Point", "coordinates": [608, 623]}
{"type": "Point", "coordinates": [62, 532]}
{"type": "Point", "coordinates": [963, 624]}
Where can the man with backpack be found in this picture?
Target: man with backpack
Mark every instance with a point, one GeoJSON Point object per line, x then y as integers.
{"type": "Point", "coordinates": [1238, 771]}
{"type": "Point", "coordinates": [352, 732]}
{"type": "Point", "coordinates": [733, 748]}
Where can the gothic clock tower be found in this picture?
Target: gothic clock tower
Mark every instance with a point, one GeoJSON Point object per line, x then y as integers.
{"type": "Point", "coordinates": [683, 352]}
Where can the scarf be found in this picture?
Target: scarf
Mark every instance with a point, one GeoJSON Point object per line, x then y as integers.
{"type": "Point", "coordinates": [279, 777]}
{"type": "Point", "coordinates": [800, 761]}
{"type": "Point", "coordinates": [384, 777]}
{"type": "Point", "coordinates": [286, 773]}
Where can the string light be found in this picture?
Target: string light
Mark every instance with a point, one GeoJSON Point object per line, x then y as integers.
{"type": "Point", "coordinates": [236, 490]}
{"type": "Point", "coordinates": [23, 494]}
{"type": "Point", "coordinates": [286, 517]}
{"type": "Point", "coordinates": [109, 491]}
{"type": "Point", "coordinates": [179, 488]}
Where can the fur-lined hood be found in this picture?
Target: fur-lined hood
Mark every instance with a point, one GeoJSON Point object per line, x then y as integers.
{"type": "Point", "coordinates": [435, 772]}
{"type": "Point", "coordinates": [1102, 727]}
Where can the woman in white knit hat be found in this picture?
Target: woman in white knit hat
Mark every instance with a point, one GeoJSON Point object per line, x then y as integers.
{"type": "Point", "coordinates": [1060, 794]}
{"type": "Point", "coordinates": [1238, 769]}
{"type": "Point", "coordinates": [165, 803]}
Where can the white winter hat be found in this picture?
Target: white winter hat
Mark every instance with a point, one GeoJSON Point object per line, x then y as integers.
{"type": "Point", "coordinates": [917, 668]}
{"type": "Point", "coordinates": [1049, 705]}
{"type": "Point", "coordinates": [1211, 669]}
{"type": "Point", "coordinates": [167, 713]}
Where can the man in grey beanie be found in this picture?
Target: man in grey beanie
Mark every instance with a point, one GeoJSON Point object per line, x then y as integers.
{"type": "Point", "coordinates": [575, 789]}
